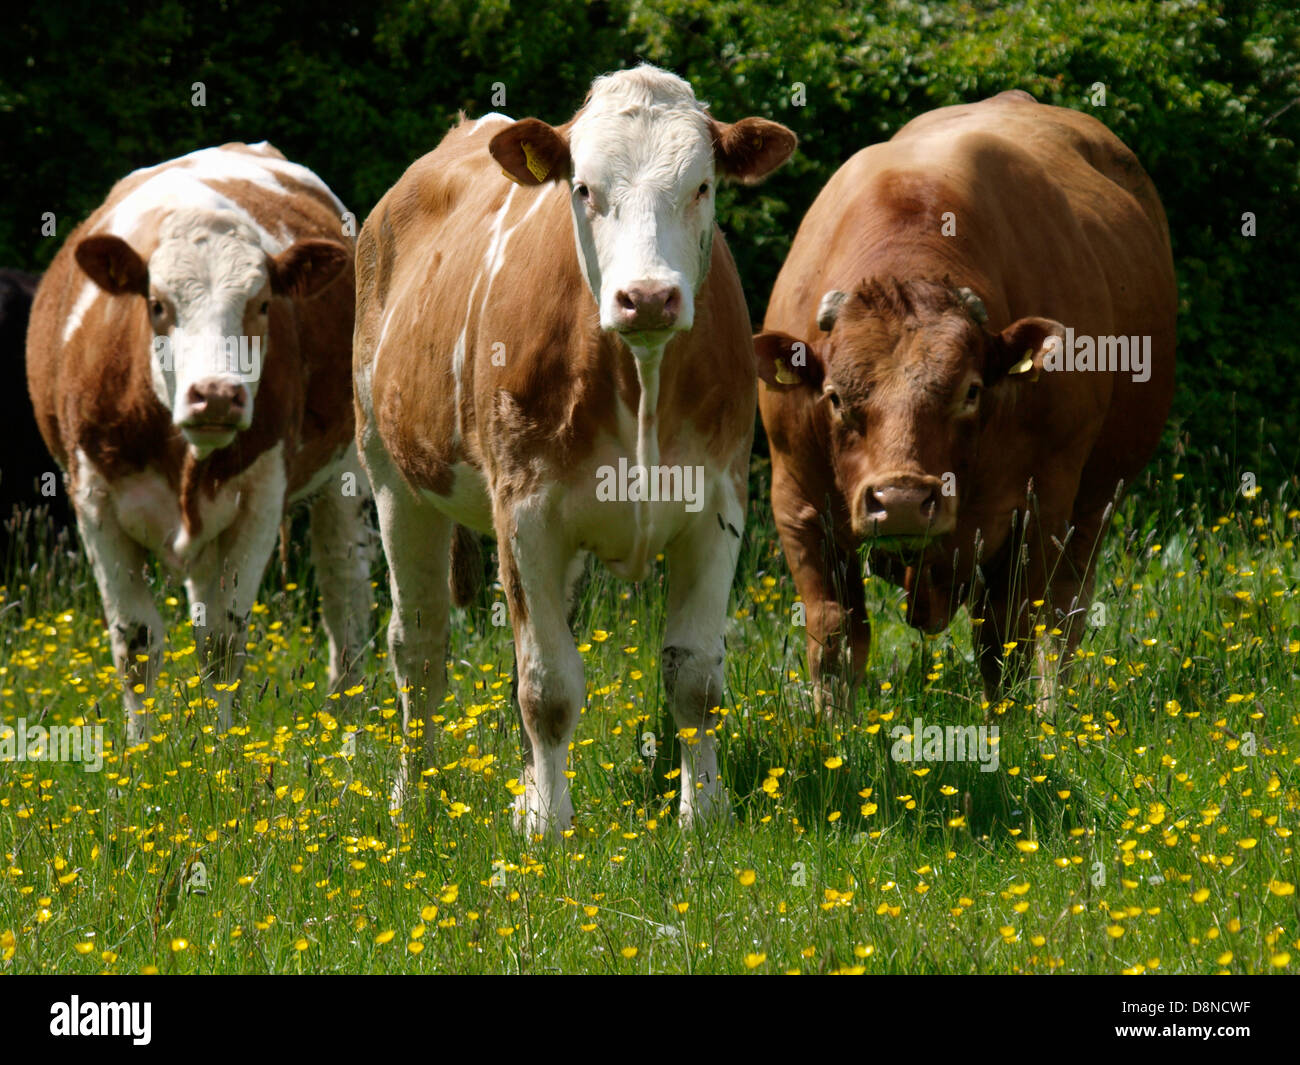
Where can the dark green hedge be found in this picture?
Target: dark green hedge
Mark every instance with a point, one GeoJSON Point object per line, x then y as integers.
{"type": "Point", "coordinates": [1205, 93]}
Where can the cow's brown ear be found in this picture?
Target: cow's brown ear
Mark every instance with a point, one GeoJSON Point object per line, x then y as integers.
{"type": "Point", "coordinates": [1023, 349]}
{"type": "Point", "coordinates": [113, 265]}
{"type": "Point", "coordinates": [785, 363]}
{"type": "Point", "coordinates": [531, 152]}
{"type": "Point", "coordinates": [748, 150]}
{"type": "Point", "coordinates": [307, 267]}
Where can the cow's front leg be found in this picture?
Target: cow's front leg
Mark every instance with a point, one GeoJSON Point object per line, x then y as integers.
{"type": "Point", "coordinates": [829, 582]}
{"type": "Point", "coordinates": [701, 564]}
{"type": "Point", "coordinates": [536, 565]}
{"type": "Point", "coordinates": [572, 579]}
{"type": "Point", "coordinates": [1005, 635]}
{"type": "Point", "coordinates": [222, 584]}
{"type": "Point", "coordinates": [340, 553]}
{"type": "Point", "coordinates": [135, 628]}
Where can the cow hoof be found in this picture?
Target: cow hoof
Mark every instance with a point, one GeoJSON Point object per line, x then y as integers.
{"type": "Point", "coordinates": [529, 820]}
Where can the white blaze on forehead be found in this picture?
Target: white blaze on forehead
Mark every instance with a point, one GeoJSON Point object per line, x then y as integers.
{"type": "Point", "coordinates": [207, 259]}
{"type": "Point", "coordinates": [646, 123]}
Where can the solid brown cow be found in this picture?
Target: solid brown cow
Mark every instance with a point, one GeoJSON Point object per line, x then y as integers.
{"type": "Point", "coordinates": [560, 356]}
{"type": "Point", "coordinates": [969, 347]}
{"type": "Point", "coordinates": [189, 361]}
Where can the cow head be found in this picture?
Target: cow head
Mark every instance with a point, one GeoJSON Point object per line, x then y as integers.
{"type": "Point", "coordinates": [209, 289]}
{"type": "Point", "coordinates": [904, 377]}
{"type": "Point", "coordinates": [641, 161]}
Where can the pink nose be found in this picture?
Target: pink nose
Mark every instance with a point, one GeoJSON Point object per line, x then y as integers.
{"type": "Point", "coordinates": [908, 508]}
{"type": "Point", "coordinates": [646, 306]}
{"type": "Point", "coordinates": [216, 401]}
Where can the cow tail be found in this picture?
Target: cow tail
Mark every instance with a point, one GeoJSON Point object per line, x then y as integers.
{"type": "Point", "coordinates": [466, 566]}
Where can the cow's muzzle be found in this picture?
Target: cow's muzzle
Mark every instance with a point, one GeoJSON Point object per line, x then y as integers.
{"type": "Point", "coordinates": [903, 511]}
{"type": "Point", "coordinates": [216, 407]}
{"type": "Point", "coordinates": [647, 307]}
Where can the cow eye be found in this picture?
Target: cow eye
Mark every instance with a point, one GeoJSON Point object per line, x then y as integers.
{"type": "Point", "coordinates": [704, 190]}
{"type": "Point", "coordinates": [156, 308]}
{"type": "Point", "coordinates": [972, 393]}
{"type": "Point", "coordinates": [266, 306]}
{"type": "Point", "coordinates": [835, 401]}
{"type": "Point", "coordinates": [583, 192]}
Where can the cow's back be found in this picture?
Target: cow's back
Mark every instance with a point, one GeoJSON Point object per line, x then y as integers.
{"type": "Point", "coordinates": [1043, 212]}
{"type": "Point", "coordinates": [419, 259]}
{"type": "Point", "coordinates": [87, 363]}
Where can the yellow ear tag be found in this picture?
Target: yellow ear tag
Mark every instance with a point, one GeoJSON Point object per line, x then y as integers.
{"type": "Point", "coordinates": [536, 167]}
{"type": "Point", "coordinates": [1024, 365]}
{"type": "Point", "coordinates": [784, 376]}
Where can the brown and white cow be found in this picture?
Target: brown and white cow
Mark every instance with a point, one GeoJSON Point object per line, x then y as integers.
{"type": "Point", "coordinates": [912, 392]}
{"type": "Point", "coordinates": [521, 335]}
{"type": "Point", "coordinates": [189, 360]}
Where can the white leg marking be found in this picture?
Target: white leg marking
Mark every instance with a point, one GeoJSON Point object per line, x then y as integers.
{"type": "Point", "coordinates": [417, 544]}
{"type": "Point", "coordinates": [135, 628]}
{"type": "Point", "coordinates": [551, 687]}
{"type": "Point", "coordinates": [701, 565]}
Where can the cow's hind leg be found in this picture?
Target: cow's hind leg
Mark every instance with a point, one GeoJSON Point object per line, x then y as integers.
{"type": "Point", "coordinates": [135, 628]}
{"type": "Point", "coordinates": [340, 551]}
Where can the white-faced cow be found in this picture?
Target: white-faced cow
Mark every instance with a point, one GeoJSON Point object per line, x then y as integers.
{"type": "Point", "coordinates": [189, 362]}
{"type": "Point", "coordinates": [969, 347]}
{"type": "Point", "coordinates": [520, 336]}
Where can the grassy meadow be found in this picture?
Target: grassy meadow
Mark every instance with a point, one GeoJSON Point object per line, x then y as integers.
{"type": "Point", "coordinates": [1147, 826]}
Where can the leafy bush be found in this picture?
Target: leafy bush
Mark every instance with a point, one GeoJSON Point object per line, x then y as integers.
{"type": "Point", "coordinates": [1205, 94]}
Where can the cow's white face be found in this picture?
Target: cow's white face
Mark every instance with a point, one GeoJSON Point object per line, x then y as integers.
{"type": "Point", "coordinates": [209, 289]}
{"type": "Point", "coordinates": [642, 195]}
{"type": "Point", "coordinates": [209, 306]}
{"type": "Point", "coordinates": [641, 160]}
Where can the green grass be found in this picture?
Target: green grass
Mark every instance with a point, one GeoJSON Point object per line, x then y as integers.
{"type": "Point", "coordinates": [1134, 830]}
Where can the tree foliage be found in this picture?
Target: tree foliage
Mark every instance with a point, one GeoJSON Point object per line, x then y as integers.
{"type": "Point", "coordinates": [1205, 94]}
